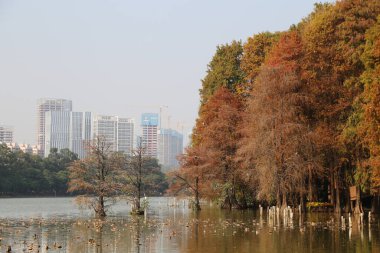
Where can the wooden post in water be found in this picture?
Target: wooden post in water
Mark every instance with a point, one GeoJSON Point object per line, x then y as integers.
{"type": "Point", "coordinates": [349, 220]}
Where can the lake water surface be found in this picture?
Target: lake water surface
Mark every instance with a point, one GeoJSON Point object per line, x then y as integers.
{"type": "Point", "coordinates": [58, 225]}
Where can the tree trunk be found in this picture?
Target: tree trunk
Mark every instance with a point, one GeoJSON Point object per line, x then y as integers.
{"type": "Point", "coordinates": [302, 202]}
{"type": "Point", "coordinates": [242, 201]}
{"type": "Point", "coordinates": [332, 189]}
{"type": "Point", "coordinates": [226, 202]}
{"type": "Point", "coordinates": [310, 186]}
{"type": "Point", "coordinates": [375, 206]}
{"type": "Point", "coordinates": [233, 199]}
{"type": "Point", "coordinates": [338, 208]}
{"type": "Point", "coordinates": [284, 201]}
{"type": "Point", "coordinates": [197, 206]}
{"type": "Point", "coordinates": [347, 207]}
{"type": "Point", "coordinates": [278, 198]}
{"type": "Point", "coordinates": [100, 212]}
{"type": "Point", "coordinates": [138, 204]}
{"type": "Point", "coordinates": [358, 206]}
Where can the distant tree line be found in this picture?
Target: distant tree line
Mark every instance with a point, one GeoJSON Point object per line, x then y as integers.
{"type": "Point", "coordinates": [27, 174]}
{"type": "Point", "coordinates": [292, 117]}
{"type": "Point", "coordinates": [23, 174]}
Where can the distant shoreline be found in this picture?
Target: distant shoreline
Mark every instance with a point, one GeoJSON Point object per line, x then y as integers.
{"type": "Point", "coordinates": [35, 196]}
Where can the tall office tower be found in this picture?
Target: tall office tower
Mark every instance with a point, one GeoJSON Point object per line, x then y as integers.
{"type": "Point", "coordinates": [170, 147]}
{"type": "Point", "coordinates": [117, 132]}
{"type": "Point", "coordinates": [6, 134]}
{"type": "Point", "coordinates": [76, 144]}
{"type": "Point", "coordinates": [149, 125]}
{"type": "Point", "coordinates": [80, 132]}
{"type": "Point", "coordinates": [125, 131]}
{"type": "Point", "coordinates": [57, 130]}
{"type": "Point", "coordinates": [64, 129]}
{"type": "Point", "coordinates": [105, 127]}
{"type": "Point", "coordinates": [45, 105]}
{"type": "Point", "coordinates": [87, 129]}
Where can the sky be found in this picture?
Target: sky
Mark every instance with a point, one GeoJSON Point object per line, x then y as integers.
{"type": "Point", "coordinates": [121, 57]}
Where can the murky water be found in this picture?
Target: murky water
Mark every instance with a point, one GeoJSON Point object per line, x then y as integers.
{"type": "Point", "coordinates": [58, 225]}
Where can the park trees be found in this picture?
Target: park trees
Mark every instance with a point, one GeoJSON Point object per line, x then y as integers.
{"type": "Point", "coordinates": [334, 38]}
{"type": "Point", "coordinates": [370, 119]}
{"type": "Point", "coordinates": [6, 162]}
{"type": "Point", "coordinates": [362, 130]}
{"type": "Point", "coordinates": [307, 115]}
{"type": "Point", "coordinates": [28, 174]}
{"type": "Point", "coordinates": [55, 169]}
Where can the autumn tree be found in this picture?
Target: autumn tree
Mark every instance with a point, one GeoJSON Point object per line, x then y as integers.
{"type": "Point", "coordinates": [223, 70]}
{"type": "Point", "coordinates": [255, 51]}
{"type": "Point", "coordinates": [96, 176]}
{"type": "Point", "coordinates": [191, 179]}
{"type": "Point", "coordinates": [280, 105]}
{"type": "Point", "coordinates": [274, 134]}
{"type": "Point", "coordinates": [371, 101]}
{"type": "Point", "coordinates": [134, 174]}
{"type": "Point", "coordinates": [139, 177]}
{"type": "Point", "coordinates": [288, 53]}
{"type": "Point", "coordinates": [362, 129]}
{"type": "Point", "coordinates": [217, 133]}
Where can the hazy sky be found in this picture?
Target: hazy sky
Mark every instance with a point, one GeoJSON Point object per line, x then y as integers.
{"type": "Point", "coordinates": [121, 57]}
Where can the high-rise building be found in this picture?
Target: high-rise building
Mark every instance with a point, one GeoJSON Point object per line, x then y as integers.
{"type": "Point", "coordinates": [45, 105]}
{"type": "Point", "coordinates": [125, 131]}
{"type": "Point", "coordinates": [105, 127]}
{"type": "Point", "coordinates": [6, 134]}
{"type": "Point", "coordinates": [170, 147]}
{"type": "Point", "coordinates": [65, 129]}
{"type": "Point", "coordinates": [80, 132]}
{"type": "Point", "coordinates": [117, 132]}
{"type": "Point", "coordinates": [149, 125]}
{"type": "Point", "coordinates": [57, 130]}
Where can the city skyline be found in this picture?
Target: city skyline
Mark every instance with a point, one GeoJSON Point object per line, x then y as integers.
{"type": "Point", "coordinates": [61, 127]}
{"type": "Point", "coordinates": [121, 57]}
{"type": "Point", "coordinates": [44, 104]}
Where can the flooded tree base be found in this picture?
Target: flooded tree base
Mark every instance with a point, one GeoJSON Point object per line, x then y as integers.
{"type": "Point", "coordinates": [137, 212]}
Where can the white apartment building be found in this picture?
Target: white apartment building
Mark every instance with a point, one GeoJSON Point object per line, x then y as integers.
{"type": "Point", "coordinates": [118, 132]}
{"type": "Point", "coordinates": [26, 148]}
{"type": "Point", "coordinates": [45, 105]}
{"type": "Point", "coordinates": [6, 134]}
